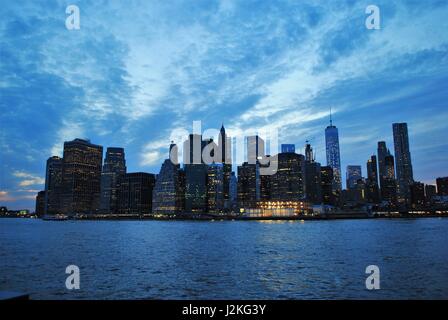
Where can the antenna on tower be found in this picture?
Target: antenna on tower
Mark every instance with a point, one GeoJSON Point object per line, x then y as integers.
{"type": "Point", "coordinates": [331, 120]}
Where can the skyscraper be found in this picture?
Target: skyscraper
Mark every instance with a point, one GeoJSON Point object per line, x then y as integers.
{"type": "Point", "coordinates": [354, 174]}
{"type": "Point", "coordinates": [195, 188]}
{"type": "Point", "coordinates": [81, 176]}
{"type": "Point", "coordinates": [313, 188]}
{"type": "Point", "coordinates": [372, 188]}
{"type": "Point", "coordinates": [403, 162]}
{"type": "Point", "coordinates": [326, 174]}
{"type": "Point", "coordinates": [383, 152]}
{"type": "Point", "coordinates": [135, 193]}
{"type": "Point", "coordinates": [225, 147]}
{"type": "Point", "coordinates": [215, 187]}
{"type": "Point", "coordinates": [417, 193]}
{"type": "Point", "coordinates": [248, 186]}
{"type": "Point", "coordinates": [40, 203]}
{"type": "Point", "coordinates": [333, 154]}
{"type": "Point", "coordinates": [288, 183]}
{"type": "Point", "coordinates": [53, 184]}
{"type": "Point", "coordinates": [168, 192]}
{"type": "Point", "coordinates": [442, 186]}
{"type": "Point", "coordinates": [389, 189]}
{"type": "Point", "coordinates": [114, 170]}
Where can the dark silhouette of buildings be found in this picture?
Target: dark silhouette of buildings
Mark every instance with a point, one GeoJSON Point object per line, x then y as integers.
{"type": "Point", "coordinates": [389, 189]}
{"type": "Point", "coordinates": [326, 175]}
{"type": "Point", "coordinates": [53, 185]}
{"type": "Point", "coordinates": [81, 176]}
{"type": "Point", "coordinates": [430, 194]}
{"type": "Point", "coordinates": [114, 170]}
{"type": "Point", "coordinates": [403, 162]}
{"type": "Point", "coordinates": [196, 188]}
{"type": "Point", "coordinates": [40, 203]}
{"type": "Point", "coordinates": [79, 183]}
{"type": "Point", "coordinates": [442, 186]}
{"type": "Point", "coordinates": [312, 169]}
{"type": "Point", "coordinates": [417, 193]}
{"type": "Point", "coordinates": [383, 152]}
{"type": "Point", "coordinates": [372, 188]}
{"type": "Point", "coordinates": [135, 193]}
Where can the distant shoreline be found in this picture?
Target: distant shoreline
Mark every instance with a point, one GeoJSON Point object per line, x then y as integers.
{"type": "Point", "coordinates": [208, 218]}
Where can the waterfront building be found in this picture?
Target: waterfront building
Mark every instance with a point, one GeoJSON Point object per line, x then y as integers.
{"type": "Point", "coordinates": [356, 185]}
{"type": "Point", "coordinates": [383, 152]}
{"type": "Point", "coordinates": [53, 184]}
{"type": "Point", "coordinates": [169, 192]}
{"type": "Point", "coordinates": [372, 187]}
{"type": "Point", "coordinates": [114, 169]}
{"type": "Point", "coordinates": [233, 187]}
{"type": "Point", "coordinates": [215, 187]}
{"type": "Point", "coordinates": [313, 187]}
{"type": "Point", "coordinates": [195, 188]}
{"type": "Point", "coordinates": [81, 176]}
{"type": "Point", "coordinates": [265, 181]}
{"type": "Point", "coordinates": [403, 162]}
{"type": "Point", "coordinates": [417, 193]}
{"type": "Point", "coordinates": [430, 194]}
{"type": "Point", "coordinates": [135, 193]}
{"type": "Point", "coordinates": [40, 203]}
{"type": "Point", "coordinates": [248, 185]}
{"type": "Point", "coordinates": [442, 186]}
{"type": "Point", "coordinates": [326, 174]}
{"type": "Point", "coordinates": [389, 189]}
{"type": "Point", "coordinates": [333, 155]}
{"type": "Point", "coordinates": [288, 183]}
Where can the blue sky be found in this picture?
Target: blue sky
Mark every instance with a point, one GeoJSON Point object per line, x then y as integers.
{"type": "Point", "coordinates": [137, 71]}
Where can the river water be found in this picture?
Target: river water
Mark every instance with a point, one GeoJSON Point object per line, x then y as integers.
{"type": "Point", "coordinates": [226, 260]}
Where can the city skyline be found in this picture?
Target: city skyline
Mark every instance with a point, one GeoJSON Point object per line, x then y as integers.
{"type": "Point", "coordinates": [80, 182]}
{"type": "Point", "coordinates": [143, 78]}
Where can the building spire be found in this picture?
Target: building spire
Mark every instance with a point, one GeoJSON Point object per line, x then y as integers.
{"type": "Point", "coordinates": [331, 120]}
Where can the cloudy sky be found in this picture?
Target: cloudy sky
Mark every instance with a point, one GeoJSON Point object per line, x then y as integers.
{"type": "Point", "coordinates": [138, 71]}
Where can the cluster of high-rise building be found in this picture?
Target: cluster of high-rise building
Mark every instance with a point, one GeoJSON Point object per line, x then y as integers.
{"type": "Point", "coordinates": [80, 183]}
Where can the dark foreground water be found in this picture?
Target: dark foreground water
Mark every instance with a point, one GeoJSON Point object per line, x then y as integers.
{"type": "Point", "coordinates": [225, 260]}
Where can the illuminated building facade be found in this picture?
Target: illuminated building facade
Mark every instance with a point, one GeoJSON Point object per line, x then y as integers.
{"type": "Point", "coordinates": [288, 183]}
{"type": "Point", "coordinates": [248, 186]}
{"type": "Point", "coordinates": [215, 187]}
{"type": "Point", "coordinates": [333, 155]}
{"type": "Point", "coordinates": [81, 176]}
{"type": "Point", "coordinates": [168, 193]}
{"type": "Point", "coordinates": [114, 170]}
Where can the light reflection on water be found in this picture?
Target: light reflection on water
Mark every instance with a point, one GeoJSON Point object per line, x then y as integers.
{"type": "Point", "coordinates": [226, 259]}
